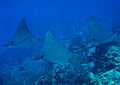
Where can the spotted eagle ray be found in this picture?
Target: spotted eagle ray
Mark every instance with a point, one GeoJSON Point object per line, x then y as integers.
{"type": "Point", "coordinates": [23, 37]}
{"type": "Point", "coordinates": [54, 51]}
{"type": "Point", "coordinates": [101, 35]}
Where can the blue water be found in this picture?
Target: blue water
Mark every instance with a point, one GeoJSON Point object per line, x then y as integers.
{"type": "Point", "coordinates": [52, 14]}
{"type": "Point", "coordinates": [62, 17]}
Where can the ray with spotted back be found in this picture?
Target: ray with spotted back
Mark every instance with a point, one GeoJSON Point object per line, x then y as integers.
{"type": "Point", "coordinates": [23, 37]}
{"type": "Point", "coordinates": [21, 33]}
{"type": "Point", "coordinates": [97, 31]}
{"type": "Point", "coordinates": [54, 51]}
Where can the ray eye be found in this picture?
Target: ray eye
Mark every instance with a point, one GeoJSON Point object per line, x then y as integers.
{"type": "Point", "coordinates": [41, 56]}
{"type": "Point", "coordinates": [93, 39]}
{"type": "Point", "coordinates": [11, 43]}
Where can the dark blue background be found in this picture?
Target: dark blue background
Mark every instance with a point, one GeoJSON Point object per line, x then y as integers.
{"type": "Point", "coordinates": [56, 15]}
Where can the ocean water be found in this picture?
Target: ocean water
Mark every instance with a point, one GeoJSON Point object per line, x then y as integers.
{"type": "Point", "coordinates": [59, 42]}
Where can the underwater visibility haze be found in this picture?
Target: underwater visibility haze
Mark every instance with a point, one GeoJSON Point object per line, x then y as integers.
{"type": "Point", "coordinates": [60, 42]}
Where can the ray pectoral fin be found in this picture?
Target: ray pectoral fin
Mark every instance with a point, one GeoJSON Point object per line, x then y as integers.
{"type": "Point", "coordinates": [97, 31]}
{"type": "Point", "coordinates": [54, 51]}
{"type": "Point", "coordinates": [112, 38]}
{"type": "Point", "coordinates": [21, 32]}
{"type": "Point", "coordinates": [23, 37]}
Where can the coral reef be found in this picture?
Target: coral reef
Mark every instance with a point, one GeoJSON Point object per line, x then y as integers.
{"type": "Point", "coordinates": [111, 77]}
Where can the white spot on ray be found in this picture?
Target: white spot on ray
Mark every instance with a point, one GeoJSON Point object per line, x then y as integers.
{"type": "Point", "coordinates": [54, 51]}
